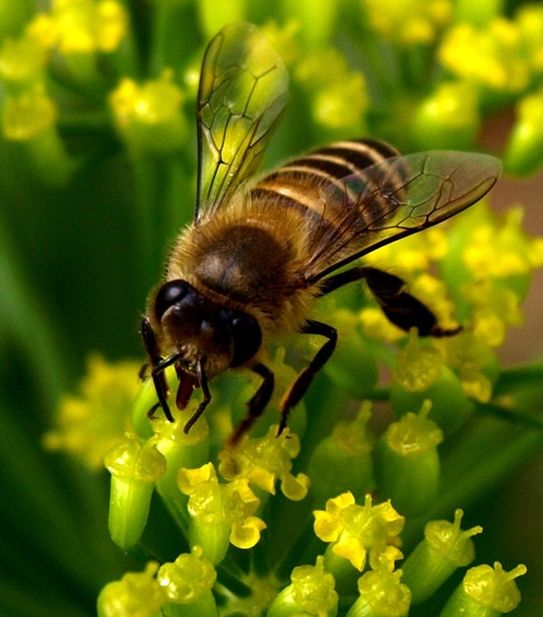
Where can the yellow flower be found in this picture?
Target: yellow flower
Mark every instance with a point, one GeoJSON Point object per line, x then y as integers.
{"type": "Point", "coordinates": [213, 504]}
{"type": "Point", "coordinates": [410, 21]}
{"type": "Point", "coordinates": [137, 593]}
{"type": "Point", "coordinates": [150, 114]}
{"type": "Point", "coordinates": [264, 460]}
{"type": "Point", "coordinates": [359, 533]}
{"type": "Point", "coordinates": [88, 26]}
{"type": "Point", "coordinates": [88, 425]}
{"type": "Point", "coordinates": [491, 57]}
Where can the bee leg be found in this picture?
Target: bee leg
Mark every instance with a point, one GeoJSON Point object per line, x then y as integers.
{"type": "Point", "coordinates": [399, 306]}
{"type": "Point", "coordinates": [158, 364]}
{"type": "Point", "coordinates": [202, 382]}
{"type": "Point", "coordinates": [304, 379]}
{"type": "Point", "coordinates": [257, 403]}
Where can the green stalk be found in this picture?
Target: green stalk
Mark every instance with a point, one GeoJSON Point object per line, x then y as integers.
{"type": "Point", "coordinates": [477, 463]}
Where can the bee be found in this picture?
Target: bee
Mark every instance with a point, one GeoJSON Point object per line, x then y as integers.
{"type": "Point", "coordinates": [260, 253]}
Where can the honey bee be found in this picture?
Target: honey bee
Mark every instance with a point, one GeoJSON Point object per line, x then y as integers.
{"type": "Point", "coordinates": [258, 254]}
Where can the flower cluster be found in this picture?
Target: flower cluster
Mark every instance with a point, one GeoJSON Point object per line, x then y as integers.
{"type": "Point", "coordinates": [353, 510]}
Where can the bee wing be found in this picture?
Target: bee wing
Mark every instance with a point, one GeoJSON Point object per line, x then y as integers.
{"type": "Point", "coordinates": [243, 90]}
{"type": "Point", "coordinates": [393, 199]}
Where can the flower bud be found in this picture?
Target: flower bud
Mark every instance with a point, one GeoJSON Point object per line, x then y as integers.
{"type": "Point", "coordinates": [343, 460]}
{"type": "Point", "coordinates": [524, 152]}
{"type": "Point", "coordinates": [353, 367]}
{"type": "Point", "coordinates": [137, 593]}
{"type": "Point", "coordinates": [187, 583]}
{"type": "Point", "coordinates": [450, 405]}
{"type": "Point", "coordinates": [448, 118]}
{"type": "Point", "coordinates": [134, 468]}
{"type": "Point", "coordinates": [445, 548]}
{"type": "Point", "coordinates": [311, 592]}
{"type": "Point", "coordinates": [381, 595]}
{"type": "Point", "coordinates": [485, 592]}
{"type": "Point", "coordinates": [407, 467]}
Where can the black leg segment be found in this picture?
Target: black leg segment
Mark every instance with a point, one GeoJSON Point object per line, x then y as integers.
{"type": "Point", "coordinates": [258, 402]}
{"type": "Point", "coordinates": [400, 307]}
{"type": "Point", "coordinates": [158, 364]}
{"type": "Point", "coordinates": [304, 379]}
{"type": "Point", "coordinates": [202, 382]}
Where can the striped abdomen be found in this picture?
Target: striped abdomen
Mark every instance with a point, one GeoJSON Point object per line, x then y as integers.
{"type": "Point", "coordinates": [338, 200]}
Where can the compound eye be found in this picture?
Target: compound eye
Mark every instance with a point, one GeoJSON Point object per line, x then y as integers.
{"type": "Point", "coordinates": [247, 338]}
{"type": "Point", "coordinates": [169, 294]}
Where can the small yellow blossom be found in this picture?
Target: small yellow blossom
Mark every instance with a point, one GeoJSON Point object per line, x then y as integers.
{"type": "Point", "coordinates": [383, 594]}
{"type": "Point", "coordinates": [150, 114]}
{"type": "Point", "coordinates": [22, 59]}
{"type": "Point", "coordinates": [359, 533]}
{"type": "Point", "coordinates": [418, 365]}
{"type": "Point", "coordinates": [264, 460]}
{"type": "Point", "coordinates": [313, 589]}
{"type": "Point", "coordinates": [375, 325]}
{"type": "Point", "coordinates": [137, 593]}
{"type": "Point", "coordinates": [498, 248]}
{"type": "Point", "coordinates": [188, 577]}
{"type": "Point", "coordinates": [472, 359]}
{"type": "Point", "coordinates": [530, 23]}
{"type": "Point", "coordinates": [213, 503]}
{"type": "Point", "coordinates": [43, 29]}
{"type": "Point", "coordinates": [493, 587]}
{"type": "Point", "coordinates": [88, 26]}
{"type": "Point", "coordinates": [29, 114]}
{"type": "Point", "coordinates": [408, 22]}
{"type": "Point", "coordinates": [491, 56]}
{"type": "Point", "coordinates": [88, 425]}
{"type": "Point", "coordinates": [339, 97]}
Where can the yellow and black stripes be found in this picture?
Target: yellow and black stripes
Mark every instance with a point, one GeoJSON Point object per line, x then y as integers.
{"type": "Point", "coordinates": [338, 193]}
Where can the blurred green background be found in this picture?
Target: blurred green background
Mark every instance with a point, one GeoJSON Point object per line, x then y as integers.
{"type": "Point", "coordinates": [76, 264]}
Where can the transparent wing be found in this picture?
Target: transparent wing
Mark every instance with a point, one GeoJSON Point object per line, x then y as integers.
{"type": "Point", "coordinates": [243, 90]}
{"type": "Point", "coordinates": [393, 199]}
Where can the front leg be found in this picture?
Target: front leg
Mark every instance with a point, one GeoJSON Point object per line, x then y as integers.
{"type": "Point", "coordinates": [158, 364]}
{"type": "Point", "coordinates": [304, 379]}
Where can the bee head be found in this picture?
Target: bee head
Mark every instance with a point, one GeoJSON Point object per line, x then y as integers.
{"type": "Point", "coordinates": [198, 327]}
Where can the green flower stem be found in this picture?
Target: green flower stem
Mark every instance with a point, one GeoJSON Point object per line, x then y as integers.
{"type": "Point", "coordinates": [49, 158]}
{"type": "Point", "coordinates": [204, 606]}
{"type": "Point", "coordinates": [477, 462]}
{"type": "Point", "coordinates": [515, 417]}
{"type": "Point", "coordinates": [167, 47]}
{"type": "Point", "coordinates": [518, 379]}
